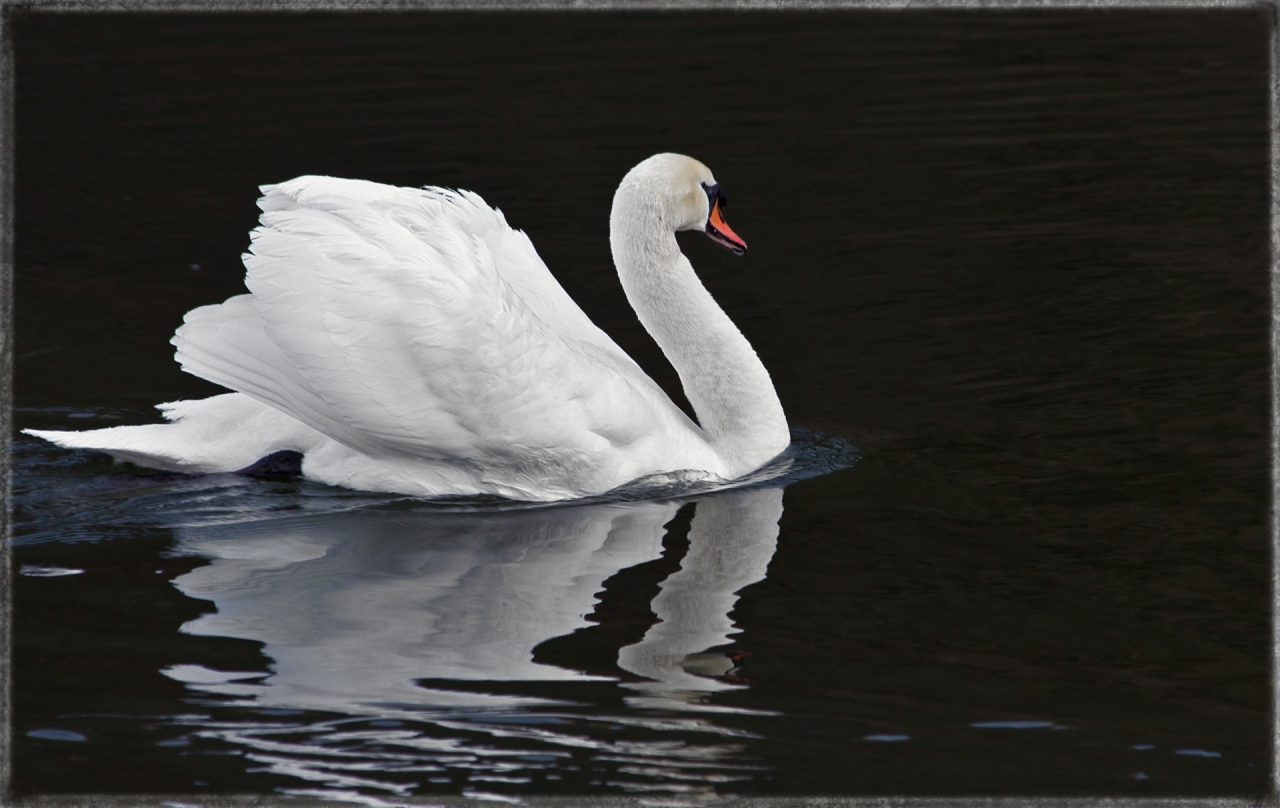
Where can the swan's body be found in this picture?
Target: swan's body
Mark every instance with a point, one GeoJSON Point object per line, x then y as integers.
{"type": "Point", "coordinates": [409, 341]}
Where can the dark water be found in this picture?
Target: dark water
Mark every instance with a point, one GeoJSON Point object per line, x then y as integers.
{"type": "Point", "coordinates": [1019, 259]}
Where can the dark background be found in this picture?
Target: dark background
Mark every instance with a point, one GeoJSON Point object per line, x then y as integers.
{"type": "Point", "coordinates": [1019, 258]}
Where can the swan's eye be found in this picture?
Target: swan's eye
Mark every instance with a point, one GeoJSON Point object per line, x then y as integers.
{"type": "Point", "coordinates": [716, 194]}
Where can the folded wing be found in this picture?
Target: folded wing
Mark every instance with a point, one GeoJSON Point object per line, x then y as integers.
{"type": "Point", "coordinates": [416, 324]}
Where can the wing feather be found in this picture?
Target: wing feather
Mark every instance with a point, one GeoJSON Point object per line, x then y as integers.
{"type": "Point", "coordinates": [227, 344]}
{"type": "Point", "coordinates": [415, 323]}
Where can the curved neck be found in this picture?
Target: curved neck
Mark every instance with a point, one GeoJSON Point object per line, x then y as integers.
{"type": "Point", "coordinates": [725, 381]}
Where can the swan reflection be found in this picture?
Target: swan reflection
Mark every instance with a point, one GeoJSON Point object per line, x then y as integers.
{"type": "Point", "coordinates": [356, 610]}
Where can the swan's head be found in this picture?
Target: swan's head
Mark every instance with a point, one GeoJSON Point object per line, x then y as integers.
{"type": "Point", "coordinates": [685, 195]}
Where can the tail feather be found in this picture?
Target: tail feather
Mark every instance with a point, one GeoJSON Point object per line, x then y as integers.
{"type": "Point", "coordinates": [219, 434]}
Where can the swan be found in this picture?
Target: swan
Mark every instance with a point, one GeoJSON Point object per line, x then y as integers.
{"type": "Point", "coordinates": [409, 341]}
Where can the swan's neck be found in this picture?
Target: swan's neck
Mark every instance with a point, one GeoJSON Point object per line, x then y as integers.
{"type": "Point", "coordinates": [725, 381]}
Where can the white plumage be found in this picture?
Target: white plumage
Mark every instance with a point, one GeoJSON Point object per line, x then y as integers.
{"type": "Point", "coordinates": [409, 341]}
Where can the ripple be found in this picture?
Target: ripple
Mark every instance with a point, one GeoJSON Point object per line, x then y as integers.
{"type": "Point", "coordinates": [56, 735]}
{"type": "Point", "coordinates": [43, 571]}
{"type": "Point", "coordinates": [1014, 725]}
{"type": "Point", "coordinates": [72, 495]}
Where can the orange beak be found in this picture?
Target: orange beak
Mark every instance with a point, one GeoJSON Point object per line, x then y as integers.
{"type": "Point", "coordinates": [720, 232]}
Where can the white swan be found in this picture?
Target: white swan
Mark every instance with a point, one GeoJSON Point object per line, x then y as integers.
{"type": "Point", "coordinates": [409, 341]}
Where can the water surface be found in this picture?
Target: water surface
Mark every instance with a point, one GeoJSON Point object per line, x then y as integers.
{"type": "Point", "coordinates": [1019, 259]}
